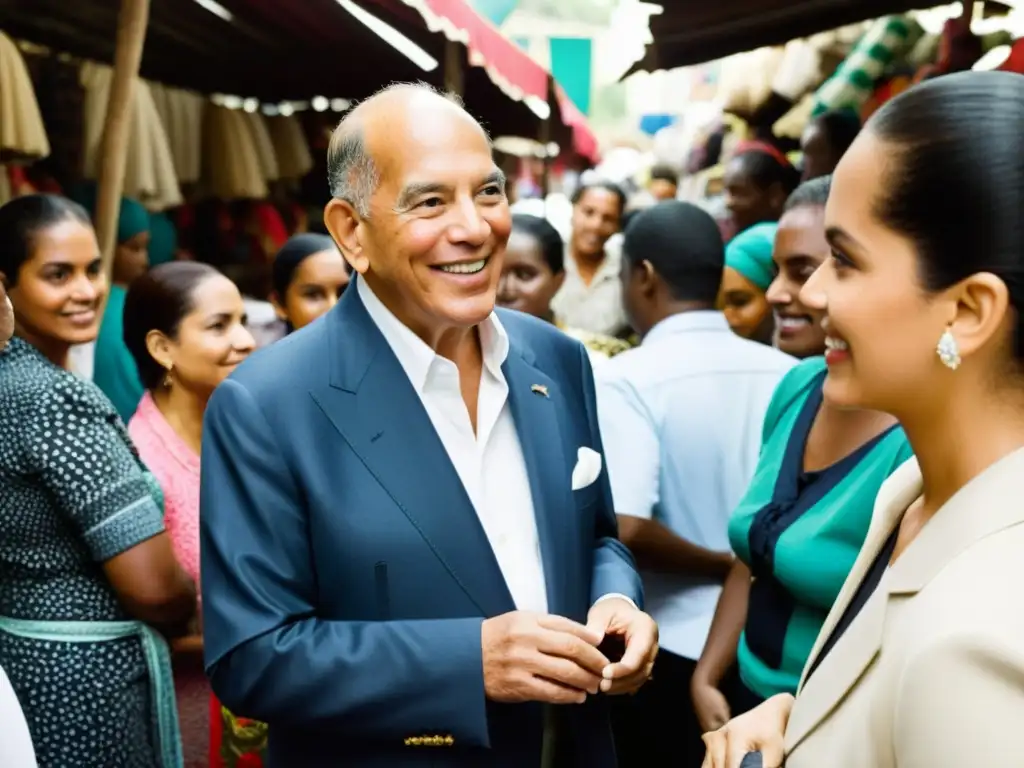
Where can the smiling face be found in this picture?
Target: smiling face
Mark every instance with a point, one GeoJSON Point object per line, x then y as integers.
{"type": "Point", "coordinates": [211, 340]}
{"type": "Point", "coordinates": [58, 290]}
{"type": "Point", "coordinates": [527, 282]}
{"type": "Point", "coordinates": [596, 216]}
{"type": "Point", "coordinates": [316, 286]}
{"type": "Point", "coordinates": [431, 247]}
{"type": "Point", "coordinates": [800, 248]}
{"type": "Point", "coordinates": [882, 326]}
{"type": "Point", "coordinates": [745, 307]}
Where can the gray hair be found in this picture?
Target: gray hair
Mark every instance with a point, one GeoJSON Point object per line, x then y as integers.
{"type": "Point", "coordinates": [351, 172]}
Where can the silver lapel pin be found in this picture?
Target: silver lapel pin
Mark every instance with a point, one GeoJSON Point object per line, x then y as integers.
{"type": "Point", "coordinates": [540, 389]}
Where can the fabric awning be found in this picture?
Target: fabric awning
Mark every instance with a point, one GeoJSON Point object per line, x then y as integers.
{"type": "Point", "coordinates": [508, 66]}
{"type": "Point", "coordinates": [691, 33]}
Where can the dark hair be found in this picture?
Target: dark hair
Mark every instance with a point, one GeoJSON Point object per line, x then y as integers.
{"type": "Point", "coordinates": [840, 127]}
{"type": "Point", "coordinates": [764, 170]}
{"type": "Point", "coordinates": [609, 186]}
{"type": "Point", "coordinates": [663, 172]}
{"type": "Point", "coordinates": [296, 250]}
{"type": "Point", "coordinates": [810, 193]}
{"type": "Point", "coordinates": [23, 218]}
{"type": "Point", "coordinates": [158, 301]}
{"type": "Point", "coordinates": [551, 245]}
{"type": "Point", "coordinates": [954, 180]}
{"type": "Point", "coordinates": [683, 244]}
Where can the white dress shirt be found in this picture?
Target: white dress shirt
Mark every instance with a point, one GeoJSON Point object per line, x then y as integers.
{"type": "Point", "coordinates": [681, 417]}
{"type": "Point", "coordinates": [489, 462]}
{"type": "Point", "coordinates": [15, 742]}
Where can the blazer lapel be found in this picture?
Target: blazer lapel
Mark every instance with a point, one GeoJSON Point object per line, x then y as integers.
{"type": "Point", "coordinates": [535, 402]}
{"type": "Point", "coordinates": [853, 654]}
{"type": "Point", "coordinates": [978, 510]}
{"type": "Point", "coordinates": [374, 406]}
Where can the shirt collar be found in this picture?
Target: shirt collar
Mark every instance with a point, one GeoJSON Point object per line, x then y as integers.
{"type": "Point", "coordinates": [685, 322]}
{"type": "Point", "coordinates": [414, 355]}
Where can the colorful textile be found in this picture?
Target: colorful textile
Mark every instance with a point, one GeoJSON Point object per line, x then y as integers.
{"type": "Point", "coordinates": [854, 80]}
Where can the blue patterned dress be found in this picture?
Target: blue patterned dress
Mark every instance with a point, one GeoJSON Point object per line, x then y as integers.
{"type": "Point", "coordinates": [72, 495]}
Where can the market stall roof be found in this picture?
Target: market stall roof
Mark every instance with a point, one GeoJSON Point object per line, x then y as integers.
{"type": "Point", "coordinates": [272, 50]}
{"type": "Point", "coordinates": [690, 32]}
{"type": "Point", "coordinates": [507, 65]}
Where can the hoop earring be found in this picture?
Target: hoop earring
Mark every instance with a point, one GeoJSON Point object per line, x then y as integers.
{"type": "Point", "coordinates": [948, 350]}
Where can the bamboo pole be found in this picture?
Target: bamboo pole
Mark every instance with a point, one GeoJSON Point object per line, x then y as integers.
{"type": "Point", "coordinates": [454, 77]}
{"type": "Point", "coordinates": [131, 36]}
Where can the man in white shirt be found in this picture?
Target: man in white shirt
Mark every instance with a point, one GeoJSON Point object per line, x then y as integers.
{"type": "Point", "coordinates": [408, 540]}
{"type": "Point", "coordinates": [681, 416]}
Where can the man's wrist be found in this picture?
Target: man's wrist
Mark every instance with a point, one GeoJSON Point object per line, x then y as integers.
{"type": "Point", "coordinates": [616, 596]}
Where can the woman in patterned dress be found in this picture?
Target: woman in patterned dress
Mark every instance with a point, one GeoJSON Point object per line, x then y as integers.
{"type": "Point", "coordinates": [82, 540]}
{"type": "Point", "coordinates": [184, 324]}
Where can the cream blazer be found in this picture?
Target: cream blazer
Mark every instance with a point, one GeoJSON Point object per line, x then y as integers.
{"type": "Point", "coordinates": [931, 672]}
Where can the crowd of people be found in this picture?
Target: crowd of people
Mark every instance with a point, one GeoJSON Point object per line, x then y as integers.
{"type": "Point", "coordinates": [758, 473]}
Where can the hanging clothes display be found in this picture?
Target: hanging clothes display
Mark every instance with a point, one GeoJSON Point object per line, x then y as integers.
{"type": "Point", "coordinates": [294, 160]}
{"type": "Point", "coordinates": [149, 176]}
{"type": "Point", "coordinates": [265, 154]}
{"type": "Point", "coordinates": [231, 166]}
{"type": "Point", "coordinates": [23, 136]}
{"type": "Point", "coordinates": [181, 113]}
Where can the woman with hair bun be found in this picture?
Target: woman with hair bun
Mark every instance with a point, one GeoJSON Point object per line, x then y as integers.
{"type": "Point", "coordinates": [920, 662]}
{"type": "Point", "coordinates": [86, 568]}
{"type": "Point", "coordinates": [184, 325]}
{"type": "Point", "coordinates": [309, 274]}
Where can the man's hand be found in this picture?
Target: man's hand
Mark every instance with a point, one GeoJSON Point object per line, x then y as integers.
{"type": "Point", "coordinates": [618, 617]}
{"type": "Point", "coordinates": [538, 657]}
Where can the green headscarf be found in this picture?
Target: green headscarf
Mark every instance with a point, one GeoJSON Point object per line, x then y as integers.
{"type": "Point", "coordinates": [163, 239]}
{"type": "Point", "coordinates": [132, 219]}
{"type": "Point", "coordinates": [750, 254]}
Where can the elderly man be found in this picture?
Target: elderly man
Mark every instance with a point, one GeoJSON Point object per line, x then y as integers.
{"type": "Point", "coordinates": [409, 546]}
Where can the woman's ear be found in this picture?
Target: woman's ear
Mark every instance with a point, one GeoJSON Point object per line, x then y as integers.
{"type": "Point", "coordinates": [278, 304]}
{"type": "Point", "coordinates": [345, 225]}
{"type": "Point", "coordinates": [159, 348]}
{"type": "Point", "coordinates": [982, 312]}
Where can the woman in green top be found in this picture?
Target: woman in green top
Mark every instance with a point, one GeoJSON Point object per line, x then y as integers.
{"type": "Point", "coordinates": [798, 529]}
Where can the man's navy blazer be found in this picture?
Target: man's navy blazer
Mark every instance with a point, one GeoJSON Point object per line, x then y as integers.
{"type": "Point", "coordinates": [345, 574]}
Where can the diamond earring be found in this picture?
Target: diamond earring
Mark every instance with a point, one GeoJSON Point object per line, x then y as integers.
{"type": "Point", "coordinates": [948, 350]}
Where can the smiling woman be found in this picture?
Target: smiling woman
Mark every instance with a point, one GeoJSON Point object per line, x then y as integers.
{"type": "Point", "coordinates": [185, 327]}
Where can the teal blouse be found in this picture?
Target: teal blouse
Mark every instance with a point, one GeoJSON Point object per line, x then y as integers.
{"type": "Point", "coordinates": [114, 370]}
{"type": "Point", "coordinates": [800, 532]}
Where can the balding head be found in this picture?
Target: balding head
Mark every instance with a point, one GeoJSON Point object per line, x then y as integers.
{"type": "Point", "coordinates": [353, 161]}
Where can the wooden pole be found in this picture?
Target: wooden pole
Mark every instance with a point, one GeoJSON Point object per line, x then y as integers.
{"type": "Point", "coordinates": [454, 80]}
{"type": "Point", "coordinates": [131, 35]}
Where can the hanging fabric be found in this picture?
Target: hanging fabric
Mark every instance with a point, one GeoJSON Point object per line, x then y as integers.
{"type": "Point", "coordinates": [181, 113]}
{"type": "Point", "coordinates": [294, 159]}
{"type": "Point", "coordinates": [22, 133]}
{"type": "Point", "coordinates": [149, 177]}
{"type": "Point", "coordinates": [231, 166]}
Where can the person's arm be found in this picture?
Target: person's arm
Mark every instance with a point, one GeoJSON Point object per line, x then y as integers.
{"type": "Point", "coordinates": [268, 655]}
{"type": "Point", "coordinates": [81, 454]}
{"type": "Point", "coordinates": [614, 569]}
{"type": "Point", "coordinates": [724, 636]}
{"type": "Point", "coordinates": [960, 702]}
{"type": "Point", "coordinates": [634, 462]}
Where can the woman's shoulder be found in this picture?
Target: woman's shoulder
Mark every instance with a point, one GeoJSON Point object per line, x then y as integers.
{"type": "Point", "coordinates": [791, 392]}
{"type": "Point", "coordinates": [33, 387]}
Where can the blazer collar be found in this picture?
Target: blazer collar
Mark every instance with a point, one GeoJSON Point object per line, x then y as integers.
{"type": "Point", "coordinates": [978, 510]}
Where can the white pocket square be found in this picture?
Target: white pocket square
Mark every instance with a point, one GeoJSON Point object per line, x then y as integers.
{"type": "Point", "coordinates": [588, 468]}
